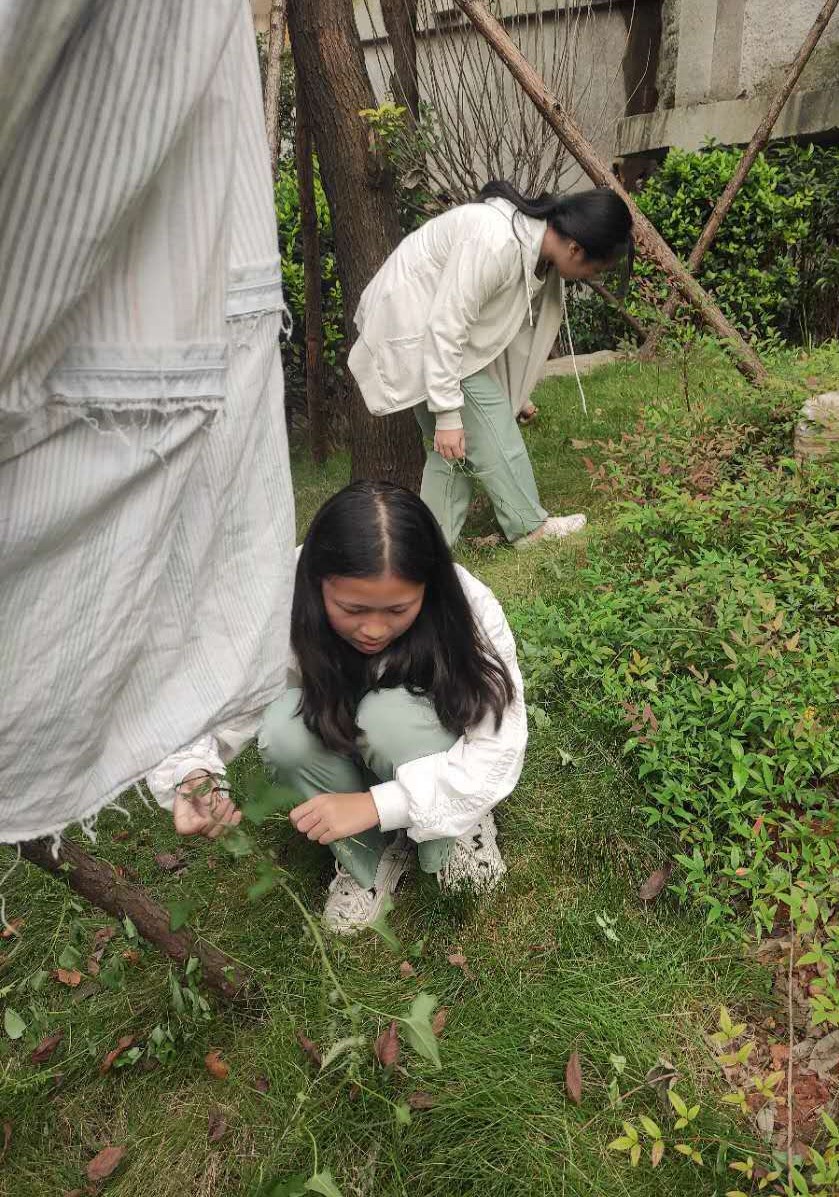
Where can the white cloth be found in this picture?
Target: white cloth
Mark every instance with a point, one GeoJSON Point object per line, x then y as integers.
{"type": "Point", "coordinates": [435, 796]}
{"type": "Point", "coordinates": [451, 299]}
{"type": "Point", "coordinates": [146, 517]}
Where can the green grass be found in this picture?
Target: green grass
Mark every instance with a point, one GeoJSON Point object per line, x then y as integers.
{"type": "Point", "coordinates": [547, 980]}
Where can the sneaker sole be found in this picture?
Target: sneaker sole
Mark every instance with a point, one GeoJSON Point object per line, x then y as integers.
{"type": "Point", "coordinates": [396, 871]}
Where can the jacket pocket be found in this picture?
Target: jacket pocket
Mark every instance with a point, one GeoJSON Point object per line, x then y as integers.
{"type": "Point", "coordinates": [401, 365]}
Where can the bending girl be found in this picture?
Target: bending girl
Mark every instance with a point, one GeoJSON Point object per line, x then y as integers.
{"type": "Point", "coordinates": [404, 721]}
{"type": "Point", "coordinates": [458, 323]}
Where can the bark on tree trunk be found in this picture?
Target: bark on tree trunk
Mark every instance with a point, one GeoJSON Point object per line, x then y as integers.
{"type": "Point", "coordinates": [649, 240]}
{"type": "Point", "coordinates": [400, 17]}
{"type": "Point", "coordinates": [276, 37]}
{"type": "Point", "coordinates": [330, 65]}
{"type": "Point", "coordinates": [98, 882]}
{"type": "Point", "coordinates": [761, 136]}
{"type": "Point", "coordinates": [315, 400]}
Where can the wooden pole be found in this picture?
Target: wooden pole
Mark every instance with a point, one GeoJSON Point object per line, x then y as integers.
{"type": "Point", "coordinates": [572, 137]}
{"type": "Point", "coordinates": [276, 38]}
{"type": "Point", "coordinates": [100, 884]}
{"type": "Point", "coordinates": [315, 402]}
{"type": "Point", "coordinates": [604, 293]}
{"type": "Point", "coordinates": [759, 140]}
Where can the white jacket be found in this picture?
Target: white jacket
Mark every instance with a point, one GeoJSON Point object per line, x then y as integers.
{"type": "Point", "coordinates": [434, 796]}
{"type": "Point", "coordinates": [455, 297]}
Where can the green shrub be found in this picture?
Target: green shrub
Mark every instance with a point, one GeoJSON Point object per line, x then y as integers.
{"type": "Point", "coordinates": [704, 633]}
{"type": "Point", "coordinates": [774, 266]}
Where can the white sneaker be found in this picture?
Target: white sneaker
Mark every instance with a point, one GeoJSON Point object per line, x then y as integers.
{"type": "Point", "coordinates": [554, 528]}
{"type": "Point", "coordinates": [349, 908]}
{"type": "Point", "coordinates": [474, 861]}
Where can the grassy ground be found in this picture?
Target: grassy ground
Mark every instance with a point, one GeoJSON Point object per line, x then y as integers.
{"type": "Point", "coordinates": [565, 957]}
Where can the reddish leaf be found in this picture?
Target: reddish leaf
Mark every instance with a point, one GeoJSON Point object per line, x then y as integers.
{"type": "Point", "coordinates": [655, 883]}
{"type": "Point", "coordinates": [169, 862]}
{"type": "Point", "coordinates": [354, 1092]}
{"type": "Point", "coordinates": [438, 1022]}
{"type": "Point", "coordinates": [216, 1066]}
{"type": "Point", "coordinates": [310, 1050]}
{"type": "Point", "coordinates": [648, 717]}
{"type": "Point", "coordinates": [406, 970]}
{"type": "Point", "coordinates": [261, 1084]}
{"type": "Point", "coordinates": [68, 976]}
{"type": "Point", "coordinates": [574, 1078]}
{"type": "Point", "coordinates": [420, 1100]}
{"type": "Point", "coordinates": [7, 1138]}
{"type": "Point", "coordinates": [93, 966]}
{"type": "Point", "coordinates": [386, 1046]}
{"type": "Point", "coordinates": [119, 837]}
{"type": "Point", "coordinates": [12, 928]}
{"type": "Point", "coordinates": [216, 1125]}
{"type": "Point", "coordinates": [101, 940]}
{"type": "Point", "coordinates": [112, 1056]}
{"type": "Point", "coordinates": [105, 1163]}
{"type": "Point", "coordinates": [46, 1047]}
{"type": "Point", "coordinates": [756, 826]}
{"type": "Point", "coordinates": [458, 960]}
{"type": "Point", "coordinates": [131, 956]}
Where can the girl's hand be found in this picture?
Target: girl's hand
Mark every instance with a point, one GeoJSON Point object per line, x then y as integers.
{"type": "Point", "coordinates": [329, 817]}
{"type": "Point", "coordinates": [450, 444]}
{"type": "Point", "coordinates": [203, 807]}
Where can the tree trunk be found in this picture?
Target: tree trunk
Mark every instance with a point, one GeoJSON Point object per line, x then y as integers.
{"type": "Point", "coordinates": [99, 883]}
{"type": "Point", "coordinates": [315, 401]}
{"type": "Point", "coordinates": [330, 66]}
{"type": "Point", "coordinates": [649, 240]}
{"type": "Point", "coordinates": [400, 17]}
{"type": "Point", "coordinates": [276, 38]}
{"type": "Point", "coordinates": [761, 136]}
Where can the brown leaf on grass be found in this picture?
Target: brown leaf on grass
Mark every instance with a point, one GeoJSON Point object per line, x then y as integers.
{"type": "Point", "coordinates": [122, 1046]}
{"type": "Point", "coordinates": [211, 863]}
{"type": "Point", "coordinates": [574, 1078]}
{"type": "Point", "coordinates": [88, 990]}
{"type": "Point", "coordinates": [420, 1100]}
{"type": "Point", "coordinates": [216, 1125]}
{"type": "Point", "coordinates": [170, 862]}
{"type": "Point", "coordinates": [100, 941]}
{"type": "Point", "coordinates": [662, 1077]}
{"type": "Point", "coordinates": [310, 1050]}
{"type": "Point", "coordinates": [813, 383]}
{"type": "Point", "coordinates": [105, 1163]}
{"type": "Point", "coordinates": [386, 1046]}
{"type": "Point", "coordinates": [354, 1092]}
{"type": "Point", "coordinates": [68, 976]}
{"type": "Point", "coordinates": [119, 837]}
{"type": "Point", "coordinates": [655, 883]}
{"type": "Point", "coordinates": [406, 970]}
{"type": "Point", "coordinates": [438, 1022]}
{"type": "Point", "coordinates": [216, 1066]}
{"type": "Point", "coordinates": [93, 966]}
{"type": "Point", "coordinates": [131, 956]}
{"type": "Point", "coordinates": [7, 1138]}
{"type": "Point", "coordinates": [575, 444]}
{"type": "Point", "coordinates": [46, 1047]}
{"type": "Point", "coordinates": [657, 1153]}
{"type": "Point", "coordinates": [458, 960]}
{"type": "Point", "coordinates": [261, 1084]}
{"type": "Point", "coordinates": [12, 928]}
{"type": "Point", "coordinates": [825, 1055]}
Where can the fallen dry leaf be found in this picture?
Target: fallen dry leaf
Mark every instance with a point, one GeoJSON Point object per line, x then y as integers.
{"type": "Point", "coordinates": [46, 1047]}
{"type": "Point", "coordinates": [93, 966]}
{"type": "Point", "coordinates": [68, 976]}
{"type": "Point", "coordinates": [420, 1100]}
{"type": "Point", "coordinates": [386, 1046]}
{"type": "Point", "coordinates": [575, 444]}
{"type": "Point", "coordinates": [261, 1084]}
{"type": "Point", "coordinates": [657, 1153]}
{"type": "Point", "coordinates": [119, 837]}
{"type": "Point", "coordinates": [310, 1050]}
{"type": "Point", "coordinates": [662, 1077]}
{"type": "Point", "coordinates": [574, 1078]}
{"type": "Point", "coordinates": [112, 1056]}
{"type": "Point", "coordinates": [216, 1125]}
{"type": "Point", "coordinates": [458, 960]}
{"type": "Point", "coordinates": [438, 1022]}
{"type": "Point", "coordinates": [105, 1163]}
{"type": "Point", "coordinates": [406, 970]}
{"type": "Point", "coordinates": [101, 939]}
{"type": "Point", "coordinates": [131, 956]}
{"type": "Point", "coordinates": [766, 1121]}
{"type": "Point", "coordinates": [216, 1066]}
{"type": "Point", "coordinates": [169, 862]}
{"type": "Point", "coordinates": [655, 883]}
{"type": "Point", "coordinates": [825, 1055]}
{"type": "Point", "coordinates": [12, 928]}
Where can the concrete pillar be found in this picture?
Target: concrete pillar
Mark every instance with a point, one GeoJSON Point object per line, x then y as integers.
{"type": "Point", "coordinates": [728, 50]}
{"type": "Point", "coordinates": [697, 29]}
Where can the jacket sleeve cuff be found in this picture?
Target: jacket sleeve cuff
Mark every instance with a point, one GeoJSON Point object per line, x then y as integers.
{"type": "Point", "coordinates": [391, 800]}
{"type": "Point", "coordinates": [448, 421]}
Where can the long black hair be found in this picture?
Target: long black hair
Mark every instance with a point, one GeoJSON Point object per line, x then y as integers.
{"type": "Point", "coordinates": [367, 529]}
{"type": "Point", "coordinates": [598, 220]}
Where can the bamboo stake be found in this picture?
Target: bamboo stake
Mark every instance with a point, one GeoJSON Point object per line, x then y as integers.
{"type": "Point", "coordinates": [647, 237]}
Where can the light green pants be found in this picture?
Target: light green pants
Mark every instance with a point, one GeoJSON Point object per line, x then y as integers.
{"type": "Point", "coordinates": [495, 453]}
{"type": "Point", "coordinates": [396, 727]}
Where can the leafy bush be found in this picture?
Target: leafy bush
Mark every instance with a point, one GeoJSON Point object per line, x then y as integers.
{"type": "Point", "coordinates": [774, 266]}
{"type": "Point", "coordinates": [704, 632]}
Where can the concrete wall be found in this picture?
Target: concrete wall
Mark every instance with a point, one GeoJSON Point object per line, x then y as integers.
{"type": "Point", "coordinates": [773, 30]}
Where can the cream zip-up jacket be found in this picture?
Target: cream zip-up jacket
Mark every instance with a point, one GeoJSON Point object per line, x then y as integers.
{"type": "Point", "coordinates": [455, 297]}
{"type": "Point", "coordinates": [433, 797]}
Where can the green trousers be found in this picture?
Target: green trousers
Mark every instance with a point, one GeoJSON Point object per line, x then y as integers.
{"type": "Point", "coordinates": [495, 455]}
{"type": "Point", "coordinates": [396, 727]}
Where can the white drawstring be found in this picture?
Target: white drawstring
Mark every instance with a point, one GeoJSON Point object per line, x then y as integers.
{"type": "Point", "coordinates": [573, 355]}
{"type": "Point", "coordinates": [527, 286]}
